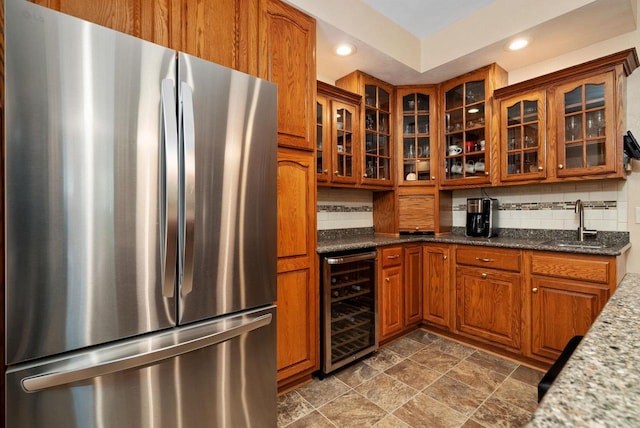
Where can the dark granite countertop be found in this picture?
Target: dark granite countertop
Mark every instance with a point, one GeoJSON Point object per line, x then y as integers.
{"type": "Point", "coordinates": [600, 384]}
{"type": "Point", "coordinates": [615, 243]}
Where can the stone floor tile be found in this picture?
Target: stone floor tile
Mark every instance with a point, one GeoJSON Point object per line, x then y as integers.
{"type": "Point", "coordinates": [518, 393]}
{"type": "Point", "coordinates": [493, 362]}
{"type": "Point", "coordinates": [357, 373]}
{"type": "Point", "coordinates": [457, 395]}
{"type": "Point", "coordinates": [386, 392]}
{"type": "Point", "coordinates": [476, 376]}
{"type": "Point", "coordinates": [497, 413]}
{"type": "Point", "coordinates": [291, 407]}
{"type": "Point", "coordinates": [413, 374]}
{"type": "Point", "coordinates": [423, 411]}
{"type": "Point", "coordinates": [405, 346]}
{"type": "Point", "coordinates": [319, 392]}
{"type": "Point", "coordinates": [528, 375]}
{"type": "Point", "coordinates": [352, 410]}
{"type": "Point", "coordinates": [435, 359]}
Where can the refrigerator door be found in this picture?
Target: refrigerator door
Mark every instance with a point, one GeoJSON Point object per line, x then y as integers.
{"type": "Point", "coordinates": [218, 373]}
{"type": "Point", "coordinates": [228, 233]}
{"type": "Point", "coordinates": [88, 238]}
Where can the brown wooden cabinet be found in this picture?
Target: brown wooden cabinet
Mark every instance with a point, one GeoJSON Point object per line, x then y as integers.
{"type": "Point", "coordinates": [221, 31]}
{"type": "Point", "coordinates": [390, 293]}
{"type": "Point", "coordinates": [413, 268]}
{"type": "Point", "coordinates": [377, 117]}
{"type": "Point", "coordinates": [566, 294]}
{"type": "Point", "coordinates": [467, 135]}
{"type": "Point", "coordinates": [576, 132]}
{"type": "Point", "coordinates": [338, 132]}
{"type": "Point", "coordinates": [522, 141]}
{"type": "Point", "coordinates": [416, 124]}
{"type": "Point", "coordinates": [437, 294]}
{"type": "Point", "coordinates": [287, 48]}
{"type": "Point", "coordinates": [489, 296]}
{"type": "Point", "coordinates": [298, 291]}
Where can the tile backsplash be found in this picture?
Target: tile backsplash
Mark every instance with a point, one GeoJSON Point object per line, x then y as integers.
{"type": "Point", "coordinates": [553, 206]}
{"type": "Point", "coordinates": [541, 206]}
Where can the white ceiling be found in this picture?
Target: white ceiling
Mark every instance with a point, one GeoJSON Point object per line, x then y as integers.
{"type": "Point", "coordinates": [424, 17]}
{"type": "Point", "coordinates": [429, 41]}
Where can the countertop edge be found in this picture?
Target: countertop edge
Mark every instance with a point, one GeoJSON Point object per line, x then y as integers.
{"type": "Point", "coordinates": [380, 240]}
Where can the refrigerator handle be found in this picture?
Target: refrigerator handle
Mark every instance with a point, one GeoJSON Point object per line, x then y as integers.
{"type": "Point", "coordinates": [188, 190]}
{"type": "Point", "coordinates": [64, 377]}
{"type": "Point", "coordinates": [169, 189]}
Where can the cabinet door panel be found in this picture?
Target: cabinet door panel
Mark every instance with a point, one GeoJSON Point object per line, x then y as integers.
{"type": "Point", "coordinates": [288, 39]}
{"type": "Point", "coordinates": [391, 301]}
{"type": "Point", "coordinates": [416, 212]}
{"type": "Point", "coordinates": [560, 310]}
{"type": "Point", "coordinates": [489, 305]}
{"type": "Point", "coordinates": [295, 200]}
{"type": "Point", "coordinates": [222, 31]}
{"type": "Point", "coordinates": [412, 285]}
{"type": "Point", "coordinates": [149, 20]}
{"type": "Point", "coordinates": [296, 328]}
{"type": "Point", "coordinates": [437, 292]}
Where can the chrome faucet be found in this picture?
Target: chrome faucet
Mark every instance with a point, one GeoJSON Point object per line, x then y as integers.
{"type": "Point", "coordinates": [583, 231]}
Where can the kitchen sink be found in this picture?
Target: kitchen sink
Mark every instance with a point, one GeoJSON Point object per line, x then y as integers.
{"type": "Point", "coordinates": [576, 244]}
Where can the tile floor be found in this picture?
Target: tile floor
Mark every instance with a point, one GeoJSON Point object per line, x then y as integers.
{"type": "Point", "coordinates": [418, 380]}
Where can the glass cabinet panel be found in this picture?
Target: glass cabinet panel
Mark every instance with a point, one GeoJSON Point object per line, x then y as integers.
{"type": "Point", "coordinates": [344, 141]}
{"type": "Point", "coordinates": [523, 133]}
{"type": "Point", "coordinates": [584, 121]}
{"type": "Point", "coordinates": [416, 138]}
{"type": "Point", "coordinates": [465, 128]}
{"type": "Point", "coordinates": [377, 153]}
{"type": "Point", "coordinates": [322, 132]}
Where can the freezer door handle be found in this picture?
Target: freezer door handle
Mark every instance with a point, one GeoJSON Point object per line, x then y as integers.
{"type": "Point", "coordinates": [188, 190]}
{"type": "Point", "coordinates": [169, 189]}
{"type": "Point", "coordinates": [101, 368]}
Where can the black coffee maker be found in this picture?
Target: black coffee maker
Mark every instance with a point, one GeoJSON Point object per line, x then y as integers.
{"type": "Point", "coordinates": [482, 216]}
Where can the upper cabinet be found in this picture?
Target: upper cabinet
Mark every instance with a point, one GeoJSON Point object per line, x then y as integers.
{"type": "Point", "coordinates": [287, 46]}
{"type": "Point", "coordinates": [567, 125]}
{"type": "Point", "coordinates": [416, 124]}
{"type": "Point", "coordinates": [338, 145]}
{"type": "Point", "coordinates": [522, 142]}
{"type": "Point", "coordinates": [221, 31]}
{"type": "Point", "coordinates": [584, 111]}
{"type": "Point", "coordinates": [467, 109]}
{"type": "Point", "coordinates": [377, 117]}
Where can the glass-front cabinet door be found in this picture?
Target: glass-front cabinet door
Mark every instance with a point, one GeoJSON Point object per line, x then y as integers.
{"type": "Point", "coordinates": [344, 121]}
{"type": "Point", "coordinates": [466, 144]}
{"type": "Point", "coordinates": [522, 137]}
{"type": "Point", "coordinates": [323, 134]}
{"type": "Point", "coordinates": [416, 153]}
{"type": "Point", "coordinates": [585, 129]}
{"type": "Point", "coordinates": [377, 158]}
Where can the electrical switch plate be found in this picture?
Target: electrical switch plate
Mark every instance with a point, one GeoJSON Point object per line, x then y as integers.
{"type": "Point", "coordinates": [638, 215]}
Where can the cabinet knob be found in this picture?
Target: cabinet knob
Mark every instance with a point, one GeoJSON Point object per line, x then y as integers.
{"type": "Point", "coordinates": [387, 279]}
{"type": "Point", "coordinates": [484, 276]}
{"type": "Point", "coordinates": [540, 168]}
{"type": "Point", "coordinates": [433, 177]}
{"type": "Point", "coordinates": [417, 227]}
{"type": "Point", "coordinates": [444, 257]}
{"type": "Point", "coordinates": [326, 171]}
{"type": "Point", "coordinates": [336, 172]}
{"type": "Point", "coordinates": [534, 290]}
{"type": "Point", "coordinates": [560, 166]}
{"type": "Point", "coordinates": [486, 173]}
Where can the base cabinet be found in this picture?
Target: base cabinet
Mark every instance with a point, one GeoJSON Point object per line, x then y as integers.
{"type": "Point", "coordinates": [437, 296]}
{"type": "Point", "coordinates": [561, 309]}
{"type": "Point", "coordinates": [413, 267]}
{"type": "Point", "coordinates": [391, 304]}
{"type": "Point", "coordinates": [488, 306]}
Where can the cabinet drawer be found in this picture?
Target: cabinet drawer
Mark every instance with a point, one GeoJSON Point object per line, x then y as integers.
{"type": "Point", "coordinates": [391, 256]}
{"type": "Point", "coordinates": [489, 258]}
{"type": "Point", "coordinates": [586, 268]}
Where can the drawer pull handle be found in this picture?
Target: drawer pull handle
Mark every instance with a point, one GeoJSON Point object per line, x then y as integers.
{"type": "Point", "coordinates": [395, 256]}
{"type": "Point", "coordinates": [484, 275]}
{"type": "Point", "coordinates": [484, 260]}
{"type": "Point", "coordinates": [444, 257]}
{"type": "Point", "coordinates": [534, 290]}
{"type": "Point", "coordinates": [387, 279]}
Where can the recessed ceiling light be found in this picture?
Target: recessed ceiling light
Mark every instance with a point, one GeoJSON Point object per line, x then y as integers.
{"type": "Point", "coordinates": [345, 49]}
{"type": "Point", "coordinates": [517, 44]}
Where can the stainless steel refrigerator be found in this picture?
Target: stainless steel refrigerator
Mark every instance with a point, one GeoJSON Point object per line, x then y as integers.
{"type": "Point", "coordinates": [140, 225]}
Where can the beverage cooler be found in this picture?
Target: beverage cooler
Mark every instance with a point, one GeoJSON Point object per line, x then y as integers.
{"type": "Point", "coordinates": [349, 326]}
